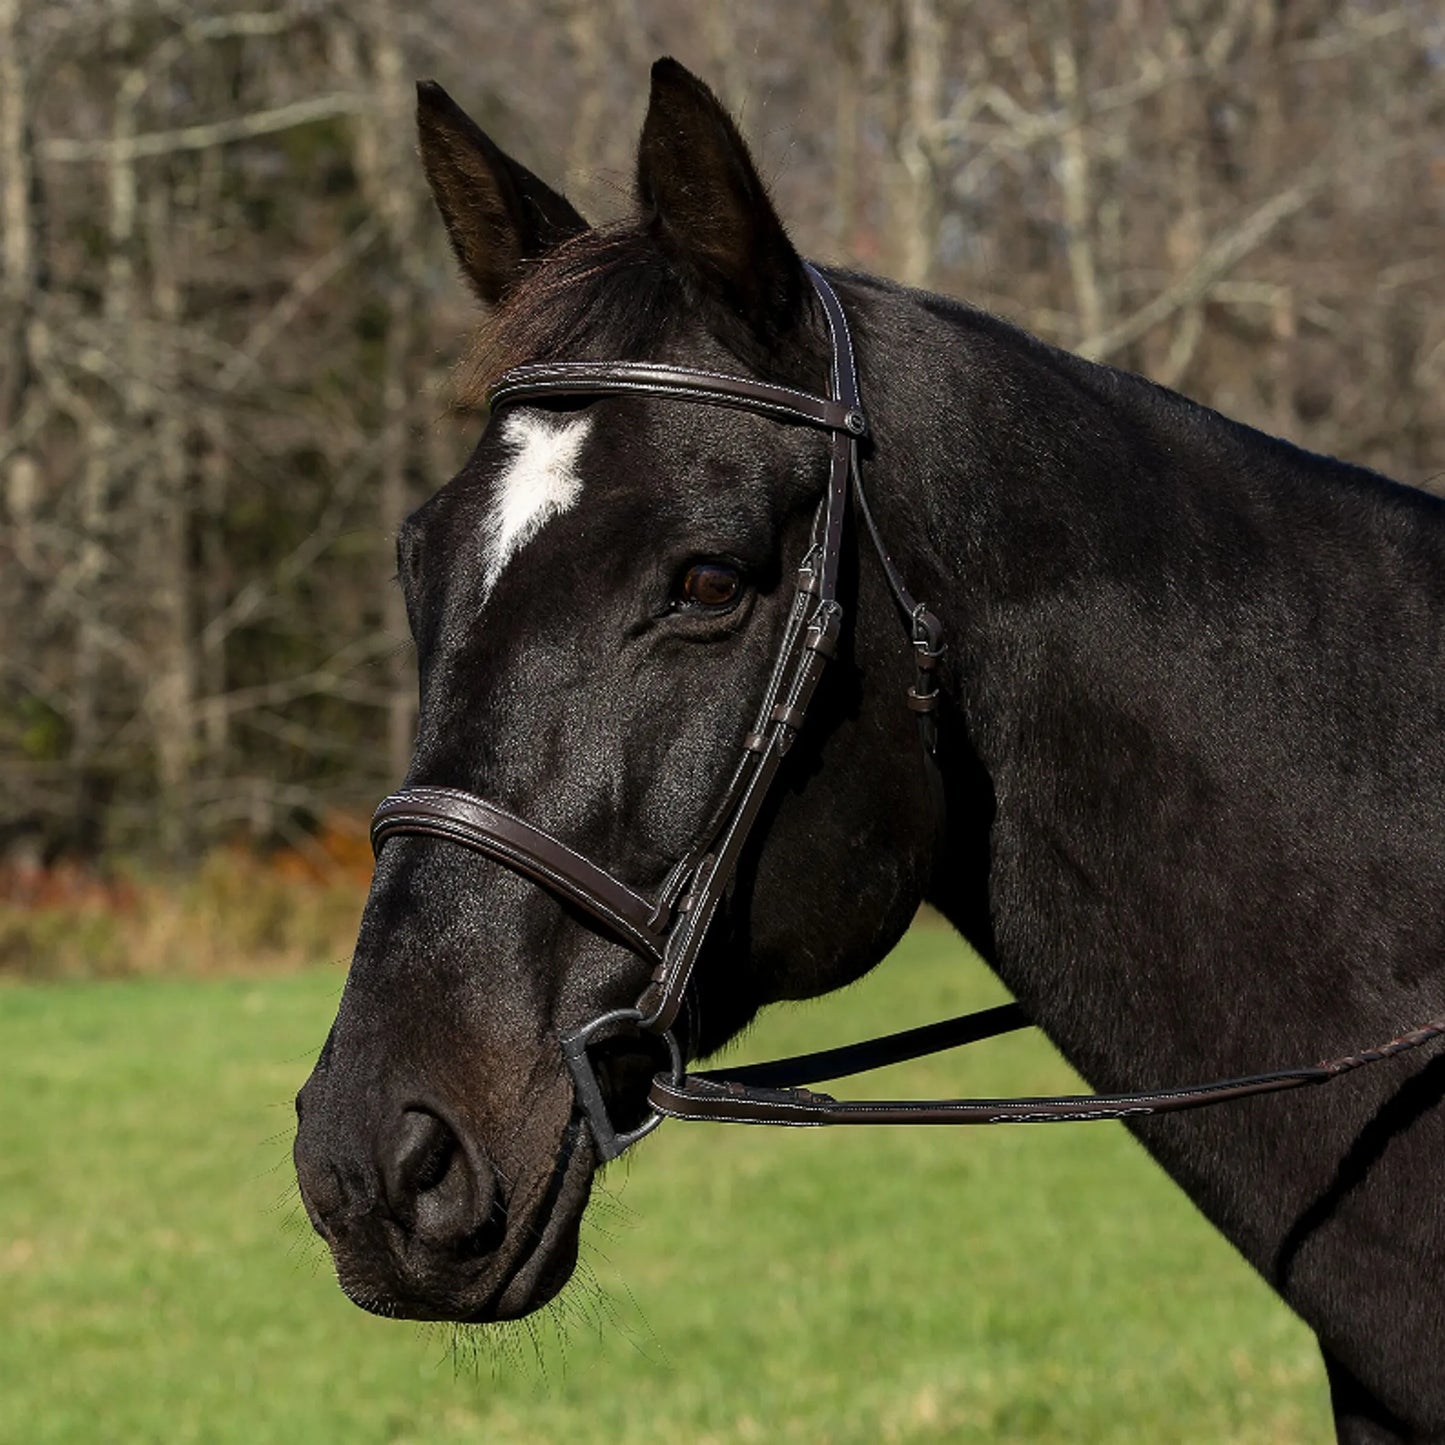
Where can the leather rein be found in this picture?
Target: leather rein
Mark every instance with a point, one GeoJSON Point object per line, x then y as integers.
{"type": "Point", "coordinates": [668, 930]}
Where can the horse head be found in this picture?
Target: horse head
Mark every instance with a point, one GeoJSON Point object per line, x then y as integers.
{"type": "Point", "coordinates": [598, 599]}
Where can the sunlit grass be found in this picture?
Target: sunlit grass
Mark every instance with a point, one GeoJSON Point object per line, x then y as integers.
{"type": "Point", "coordinates": [158, 1280]}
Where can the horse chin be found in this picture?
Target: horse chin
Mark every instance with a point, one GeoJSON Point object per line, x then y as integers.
{"type": "Point", "coordinates": [543, 1276]}
{"type": "Point", "coordinates": [540, 1274]}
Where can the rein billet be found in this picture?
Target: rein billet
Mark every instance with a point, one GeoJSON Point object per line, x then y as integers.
{"type": "Point", "coordinates": [668, 930]}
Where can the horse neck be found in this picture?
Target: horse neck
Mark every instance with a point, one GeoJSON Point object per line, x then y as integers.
{"type": "Point", "coordinates": [1157, 621]}
{"type": "Point", "coordinates": [1195, 769]}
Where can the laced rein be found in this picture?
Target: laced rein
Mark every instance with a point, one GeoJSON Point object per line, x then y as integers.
{"type": "Point", "coordinates": [669, 930]}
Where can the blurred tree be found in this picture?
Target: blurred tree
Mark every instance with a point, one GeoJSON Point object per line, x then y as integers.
{"type": "Point", "coordinates": [226, 315]}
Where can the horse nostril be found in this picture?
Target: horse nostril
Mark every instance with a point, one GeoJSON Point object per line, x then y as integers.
{"type": "Point", "coordinates": [437, 1189]}
{"type": "Point", "coordinates": [422, 1151]}
{"type": "Point", "coordinates": [429, 1150]}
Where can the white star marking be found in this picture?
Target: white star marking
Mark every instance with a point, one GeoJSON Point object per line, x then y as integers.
{"type": "Point", "coordinates": [540, 482]}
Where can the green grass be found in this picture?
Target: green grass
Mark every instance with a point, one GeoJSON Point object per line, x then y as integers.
{"type": "Point", "coordinates": [158, 1282]}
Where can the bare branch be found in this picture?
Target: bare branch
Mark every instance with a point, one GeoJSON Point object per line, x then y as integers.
{"type": "Point", "coordinates": [330, 677]}
{"type": "Point", "coordinates": [213, 133]}
{"type": "Point", "coordinates": [1222, 255]}
{"type": "Point", "coordinates": [272, 326]}
{"type": "Point", "coordinates": [1076, 184]}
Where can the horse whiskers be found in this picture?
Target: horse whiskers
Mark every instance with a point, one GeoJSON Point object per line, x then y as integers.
{"type": "Point", "coordinates": [367, 1299]}
{"type": "Point", "coordinates": [498, 1343]}
{"type": "Point", "coordinates": [542, 1345]}
{"type": "Point", "coordinates": [618, 1216]}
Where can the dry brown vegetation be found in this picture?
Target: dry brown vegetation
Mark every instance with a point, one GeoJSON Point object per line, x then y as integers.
{"type": "Point", "coordinates": [227, 313]}
{"type": "Point", "coordinates": [236, 911]}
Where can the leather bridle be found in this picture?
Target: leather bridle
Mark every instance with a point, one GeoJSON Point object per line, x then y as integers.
{"type": "Point", "coordinates": [668, 930]}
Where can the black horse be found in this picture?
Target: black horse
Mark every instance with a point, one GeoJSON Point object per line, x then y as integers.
{"type": "Point", "coordinates": [1191, 735]}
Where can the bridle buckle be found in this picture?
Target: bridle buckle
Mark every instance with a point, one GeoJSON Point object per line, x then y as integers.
{"type": "Point", "coordinates": [609, 1141]}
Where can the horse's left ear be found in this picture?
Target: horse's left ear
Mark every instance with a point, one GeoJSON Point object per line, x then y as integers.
{"type": "Point", "coordinates": [499, 216]}
{"type": "Point", "coordinates": [708, 208]}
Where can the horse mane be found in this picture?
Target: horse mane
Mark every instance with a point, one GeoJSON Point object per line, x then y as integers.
{"type": "Point", "coordinates": [1178, 426]}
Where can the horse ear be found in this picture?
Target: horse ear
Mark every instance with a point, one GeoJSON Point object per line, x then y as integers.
{"type": "Point", "coordinates": [498, 215]}
{"type": "Point", "coordinates": [707, 206]}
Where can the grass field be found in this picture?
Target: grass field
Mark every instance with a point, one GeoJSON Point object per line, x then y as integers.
{"type": "Point", "coordinates": [158, 1282]}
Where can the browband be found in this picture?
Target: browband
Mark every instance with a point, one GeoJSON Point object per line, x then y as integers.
{"type": "Point", "coordinates": [538, 381]}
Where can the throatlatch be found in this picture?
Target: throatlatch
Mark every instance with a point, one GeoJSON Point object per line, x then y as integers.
{"type": "Point", "coordinates": [669, 930]}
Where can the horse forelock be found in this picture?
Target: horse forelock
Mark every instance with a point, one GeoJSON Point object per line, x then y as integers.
{"type": "Point", "coordinates": [607, 292]}
{"type": "Point", "coordinates": [611, 294]}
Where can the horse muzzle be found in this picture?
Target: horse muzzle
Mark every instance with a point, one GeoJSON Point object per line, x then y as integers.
{"type": "Point", "coordinates": [426, 1224]}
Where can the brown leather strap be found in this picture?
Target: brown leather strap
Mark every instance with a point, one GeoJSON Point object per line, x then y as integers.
{"type": "Point", "coordinates": [844, 451]}
{"type": "Point", "coordinates": [721, 1102]}
{"type": "Point", "coordinates": [485, 828]}
{"type": "Point", "coordinates": [926, 632]}
{"type": "Point", "coordinates": [663, 1000]}
{"type": "Point", "coordinates": [653, 379]}
{"type": "Point", "coordinates": [717, 1098]}
{"type": "Point", "coordinates": [845, 363]}
{"type": "Point", "coordinates": [880, 1053]}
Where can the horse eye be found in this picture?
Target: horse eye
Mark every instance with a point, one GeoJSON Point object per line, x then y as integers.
{"type": "Point", "coordinates": [711, 584]}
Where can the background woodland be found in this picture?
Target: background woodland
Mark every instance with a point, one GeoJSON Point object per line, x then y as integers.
{"type": "Point", "coordinates": [229, 312]}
